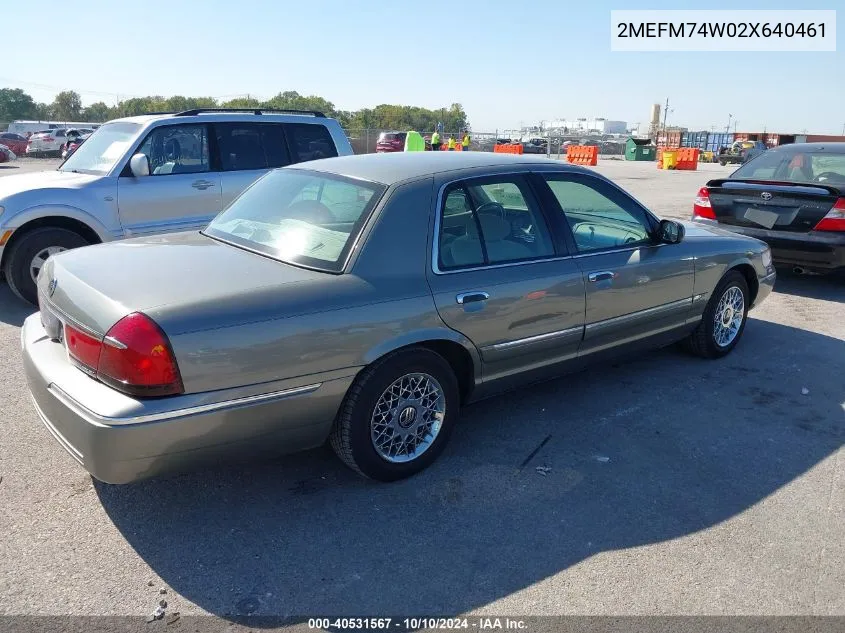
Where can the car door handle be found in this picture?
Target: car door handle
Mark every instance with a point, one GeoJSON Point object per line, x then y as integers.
{"type": "Point", "coordinates": [202, 184]}
{"type": "Point", "coordinates": [601, 275]}
{"type": "Point", "coordinates": [471, 297]}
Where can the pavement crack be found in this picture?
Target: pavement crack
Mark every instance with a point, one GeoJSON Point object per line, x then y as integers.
{"type": "Point", "coordinates": [534, 452]}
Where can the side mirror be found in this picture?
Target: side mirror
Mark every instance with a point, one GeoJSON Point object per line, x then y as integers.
{"type": "Point", "coordinates": [139, 165]}
{"type": "Point", "coordinates": [671, 232]}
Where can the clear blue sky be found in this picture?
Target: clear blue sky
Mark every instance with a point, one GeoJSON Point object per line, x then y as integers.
{"type": "Point", "coordinates": [507, 62]}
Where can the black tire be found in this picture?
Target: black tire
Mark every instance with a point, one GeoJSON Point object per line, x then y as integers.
{"type": "Point", "coordinates": [722, 163]}
{"type": "Point", "coordinates": [350, 436]}
{"type": "Point", "coordinates": [702, 341]}
{"type": "Point", "coordinates": [23, 251]}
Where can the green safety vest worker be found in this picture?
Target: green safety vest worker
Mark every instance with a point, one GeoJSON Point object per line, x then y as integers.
{"type": "Point", "coordinates": [451, 142]}
{"type": "Point", "coordinates": [435, 139]}
{"type": "Point", "coordinates": [465, 141]}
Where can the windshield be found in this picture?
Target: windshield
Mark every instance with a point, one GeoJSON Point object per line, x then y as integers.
{"type": "Point", "coordinates": [99, 153]}
{"type": "Point", "coordinates": [300, 217]}
{"type": "Point", "coordinates": [795, 165]}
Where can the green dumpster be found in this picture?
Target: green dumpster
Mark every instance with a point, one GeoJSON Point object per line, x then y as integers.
{"type": "Point", "coordinates": [640, 149]}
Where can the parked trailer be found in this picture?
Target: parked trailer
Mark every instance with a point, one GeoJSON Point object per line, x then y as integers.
{"type": "Point", "coordinates": [26, 128]}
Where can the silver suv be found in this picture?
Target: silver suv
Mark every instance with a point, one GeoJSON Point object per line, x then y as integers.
{"type": "Point", "coordinates": [150, 174]}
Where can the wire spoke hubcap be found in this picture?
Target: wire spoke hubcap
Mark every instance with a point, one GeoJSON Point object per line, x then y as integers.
{"type": "Point", "coordinates": [407, 417]}
{"type": "Point", "coordinates": [41, 257]}
{"type": "Point", "coordinates": [729, 315]}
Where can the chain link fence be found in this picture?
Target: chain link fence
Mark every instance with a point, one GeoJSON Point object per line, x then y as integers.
{"type": "Point", "coordinates": [551, 144]}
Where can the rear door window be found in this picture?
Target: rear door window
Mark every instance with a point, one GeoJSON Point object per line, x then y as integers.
{"type": "Point", "coordinates": [240, 147]}
{"type": "Point", "coordinates": [246, 146]}
{"type": "Point", "coordinates": [309, 142]}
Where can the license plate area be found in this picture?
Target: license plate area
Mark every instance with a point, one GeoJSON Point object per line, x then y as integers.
{"type": "Point", "coordinates": [766, 219]}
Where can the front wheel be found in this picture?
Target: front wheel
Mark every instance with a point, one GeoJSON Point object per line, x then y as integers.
{"type": "Point", "coordinates": [724, 318]}
{"type": "Point", "coordinates": [29, 253]}
{"type": "Point", "coordinates": [398, 415]}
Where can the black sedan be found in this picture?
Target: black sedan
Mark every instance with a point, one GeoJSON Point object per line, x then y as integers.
{"type": "Point", "coordinates": [792, 197]}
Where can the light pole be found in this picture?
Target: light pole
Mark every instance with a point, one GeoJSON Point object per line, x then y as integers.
{"type": "Point", "coordinates": [728, 126]}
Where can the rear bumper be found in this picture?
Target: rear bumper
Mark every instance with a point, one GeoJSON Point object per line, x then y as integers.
{"type": "Point", "coordinates": [90, 420]}
{"type": "Point", "coordinates": [817, 250]}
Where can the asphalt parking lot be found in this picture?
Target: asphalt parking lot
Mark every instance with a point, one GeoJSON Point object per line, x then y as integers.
{"type": "Point", "coordinates": [666, 485]}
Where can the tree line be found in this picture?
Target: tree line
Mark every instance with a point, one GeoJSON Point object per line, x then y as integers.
{"type": "Point", "coordinates": [16, 104]}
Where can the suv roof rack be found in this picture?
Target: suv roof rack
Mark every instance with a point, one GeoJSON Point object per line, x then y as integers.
{"type": "Point", "coordinates": [258, 111]}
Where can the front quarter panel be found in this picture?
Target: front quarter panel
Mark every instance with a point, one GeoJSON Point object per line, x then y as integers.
{"type": "Point", "coordinates": [715, 254]}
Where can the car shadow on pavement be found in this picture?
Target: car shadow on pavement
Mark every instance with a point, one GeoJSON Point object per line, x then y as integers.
{"type": "Point", "coordinates": [825, 287]}
{"type": "Point", "coordinates": [12, 309]}
{"type": "Point", "coordinates": [652, 449]}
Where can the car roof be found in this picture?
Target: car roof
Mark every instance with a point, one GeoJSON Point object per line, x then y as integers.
{"type": "Point", "coordinates": [833, 147]}
{"type": "Point", "coordinates": [395, 167]}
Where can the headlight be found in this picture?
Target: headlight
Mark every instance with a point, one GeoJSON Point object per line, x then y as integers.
{"type": "Point", "coordinates": [767, 257]}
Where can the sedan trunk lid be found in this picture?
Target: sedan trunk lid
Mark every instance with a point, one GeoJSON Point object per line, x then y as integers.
{"type": "Point", "coordinates": [772, 205]}
{"type": "Point", "coordinates": [164, 276]}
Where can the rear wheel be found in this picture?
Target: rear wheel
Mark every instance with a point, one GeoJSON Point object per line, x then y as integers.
{"type": "Point", "coordinates": [398, 415]}
{"type": "Point", "coordinates": [29, 253]}
{"type": "Point", "coordinates": [724, 318]}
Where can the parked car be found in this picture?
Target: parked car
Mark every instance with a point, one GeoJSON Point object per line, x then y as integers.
{"type": "Point", "coordinates": [365, 299]}
{"type": "Point", "coordinates": [391, 142]}
{"type": "Point", "coordinates": [535, 146]}
{"type": "Point", "coordinates": [150, 174]}
{"type": "Point", "coordinates": [71, 146]}
{"type": "Point", "coordinates": [46, 142]}
{"type": "Point", "coordinates": [6, 154]}
{"type": "Point", "coordinates": [792, 197]}
{"type": "Point", "coordinates": [14, 142]}
{"type": "Point", "coordinates": [74, 138]}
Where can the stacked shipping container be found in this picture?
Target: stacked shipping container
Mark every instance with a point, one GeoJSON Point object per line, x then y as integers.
{"type": "Point", "coordinates": [712, 141]}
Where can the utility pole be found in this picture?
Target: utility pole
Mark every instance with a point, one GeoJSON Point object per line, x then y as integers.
{"type": "Point", "coordinates": [728, 126]}
{"type": "Point", "coordinates": [843, 130]}
{"type": "Point", "coordinates": [665, 114]}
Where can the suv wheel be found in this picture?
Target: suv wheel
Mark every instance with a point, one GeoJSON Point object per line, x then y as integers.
{"type": "Point", "coordinates": [28, 254]}
{"type": "Point", "coordinates": [397, 416]}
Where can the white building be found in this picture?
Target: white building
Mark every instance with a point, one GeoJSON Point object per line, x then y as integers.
{"type": "Point", "coordinates": [595, 126]}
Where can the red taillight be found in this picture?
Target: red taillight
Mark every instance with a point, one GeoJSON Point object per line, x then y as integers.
{"type": "Point", "coordinates": [136, 358]}
{"type": "Point", "coordinates": [701, 207]}
{"type": "Point", "coordinates": [835, 218]}
{"type": "Point", "coordinates": [83, 347]}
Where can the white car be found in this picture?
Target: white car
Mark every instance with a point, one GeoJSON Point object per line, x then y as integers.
{"type": "Point", "coordinates": [46, 142]}
{"type": "Point", "coordinates": [149, 174]}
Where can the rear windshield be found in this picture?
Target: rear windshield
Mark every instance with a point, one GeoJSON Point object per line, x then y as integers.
{"type": "Point", "coordinates": [391, 136]}
{"type": "Point", "coordinates": [804, 166]}
{"type": "Point", "coordinates": [300, 217]}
